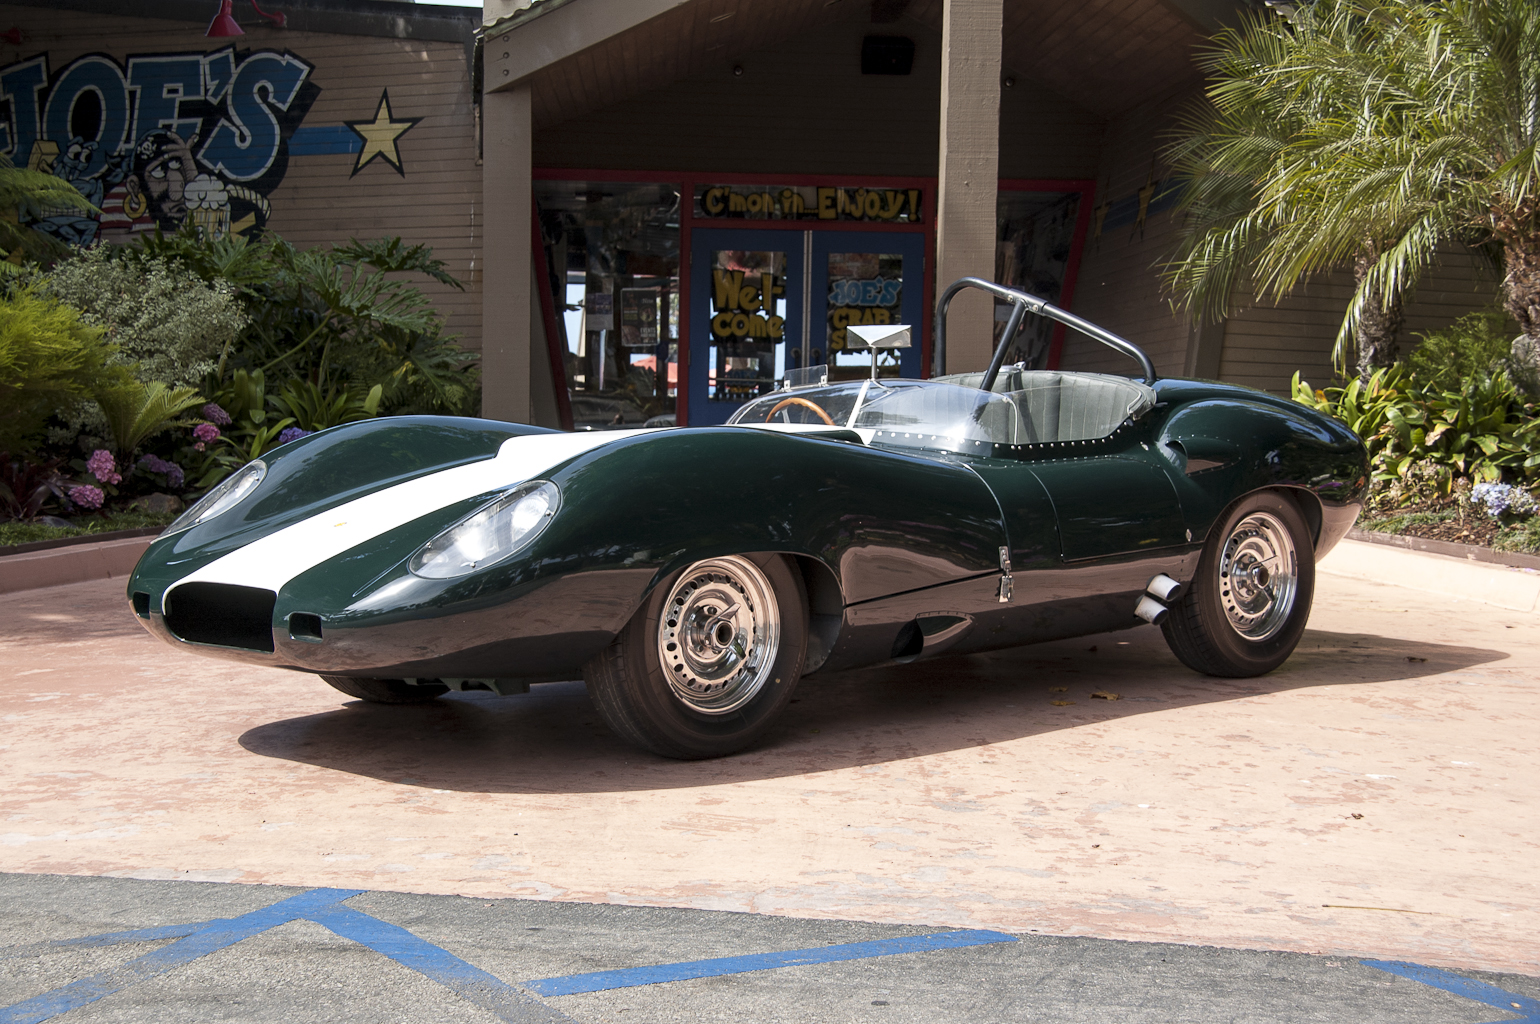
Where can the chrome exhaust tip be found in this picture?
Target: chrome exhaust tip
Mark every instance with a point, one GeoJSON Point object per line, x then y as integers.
{"type": "Point", "coordinates": [1150, 610]}
{"type": "Point", "coordinates": [1165, 589]}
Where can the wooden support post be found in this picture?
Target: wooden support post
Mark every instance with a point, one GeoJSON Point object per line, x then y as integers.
{"type": "Point", "coordinates": [507, 300]}
{"type": "Point", "coordinates": [969, 173]}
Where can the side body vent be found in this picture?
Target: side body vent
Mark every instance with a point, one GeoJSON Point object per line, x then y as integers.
{"type": "Point", "coordinates": [222, 615]}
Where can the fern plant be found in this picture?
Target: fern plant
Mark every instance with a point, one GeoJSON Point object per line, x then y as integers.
{"type": "Point", "coordinates": [33, 195]}
{"type": "Point", "coordinates": [136, 412]}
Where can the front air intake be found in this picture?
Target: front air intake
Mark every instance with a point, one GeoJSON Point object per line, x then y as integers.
{"type": "Point", "coordinates": [222, 615]}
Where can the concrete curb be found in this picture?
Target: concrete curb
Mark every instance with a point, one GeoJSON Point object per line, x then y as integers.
{"type": "Point", "coordinates": [1470, 552]}
{"type": "Point", "coordinates": [75, 563]}
{"type": "Point", "coordinates": [1445, 575]}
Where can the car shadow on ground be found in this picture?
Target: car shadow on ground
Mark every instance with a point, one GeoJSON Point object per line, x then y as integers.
{"type": "Point", "coordinates": [552, 739]}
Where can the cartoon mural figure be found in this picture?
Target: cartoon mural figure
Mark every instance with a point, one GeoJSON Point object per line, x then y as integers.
{"type": "Point", "coordinates": [73, 165]}
{"type": "Point", "coordinates": [159, 140]}
{"type": "Point", "coordinates": [154, 194]}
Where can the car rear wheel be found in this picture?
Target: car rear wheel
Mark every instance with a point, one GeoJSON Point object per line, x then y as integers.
{"type": "Point", "coordinates": [386, 691]}
{"type": "Point", "coordinates": [1245, 611]}
{"type": "Point", "coordinates": [709, 660]}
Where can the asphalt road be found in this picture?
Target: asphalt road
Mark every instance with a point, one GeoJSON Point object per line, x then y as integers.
{"type": "Point", "coordinates": [77, 949]}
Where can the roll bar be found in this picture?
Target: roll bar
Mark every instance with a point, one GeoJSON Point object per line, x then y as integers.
{"type": "Point", "coordinates": [1023, 303]}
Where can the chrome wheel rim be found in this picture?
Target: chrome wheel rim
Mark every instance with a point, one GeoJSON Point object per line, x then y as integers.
{"type": "Point", "coordinates": [1258, 576]}
{"type": "Point", "coordinates": [719, 635]}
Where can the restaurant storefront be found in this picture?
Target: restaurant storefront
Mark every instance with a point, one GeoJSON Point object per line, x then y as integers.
{"type": "Point", "coordinates": [675, 298]}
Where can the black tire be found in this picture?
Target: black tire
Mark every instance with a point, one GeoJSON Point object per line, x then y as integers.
{"type": "Point", "coordinates": [386, 691]}
{"type": "Point", "coordinates": [1230, 624]}
{"type": "Point", "coordinates": [668, 702]}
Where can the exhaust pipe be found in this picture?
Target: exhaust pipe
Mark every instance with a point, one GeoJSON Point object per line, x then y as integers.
{"type": "Point", "coordinates": [1159, 594]}
{"type": "Point", "coordinates": [1165, 589]}
{"type": "Point", "coordinates": [1150, 610]}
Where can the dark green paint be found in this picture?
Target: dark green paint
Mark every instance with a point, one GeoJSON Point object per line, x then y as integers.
{"type": "Point", "coordinates": [315, 473]}
{"type": "Point", "coordinates": [899, 529]}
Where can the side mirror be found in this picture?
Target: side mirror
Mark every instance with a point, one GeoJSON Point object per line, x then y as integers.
{"type": "Point", "coordinates": [877, 337]}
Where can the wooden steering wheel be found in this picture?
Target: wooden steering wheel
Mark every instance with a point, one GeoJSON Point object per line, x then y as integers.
{"type": "Point", "coordinates": [794, 400]}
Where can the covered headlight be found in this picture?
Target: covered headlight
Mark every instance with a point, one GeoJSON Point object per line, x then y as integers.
{"type": "Point", "coordinates": [492, 534]}
{"type": "Point", "coordinates": [229, 493]}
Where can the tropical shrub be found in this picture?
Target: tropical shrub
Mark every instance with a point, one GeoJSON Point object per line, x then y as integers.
{"type": "Point", "coordinates": [340, 317]}
{"type": "Point", "coordinates": [48, 358]}
{"type": "Point", "coordinates": [1473, 346]}
{"type": "Point", "coordinates": [165, 320]}
{"type": "Point", "coordinates": [1424, 437]}
{"type": "Point", "coordinates": [28, 197]}
{"type": "Point", "coordinates": [26, 486]}
{"type": "Point", "coordinates": [136, 412]}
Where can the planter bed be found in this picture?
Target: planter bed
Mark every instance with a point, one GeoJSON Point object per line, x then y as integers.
{"type": "Point", "coordinates": [80, 538]}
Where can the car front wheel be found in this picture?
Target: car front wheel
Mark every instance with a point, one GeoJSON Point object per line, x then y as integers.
{"type": "Point", "coordinates": [708, 661]}
{"type": "Point", "coordinates": [1245, 611]}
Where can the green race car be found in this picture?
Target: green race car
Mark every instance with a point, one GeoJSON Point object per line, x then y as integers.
{"type": "Point", "coordinates": [693, 576]}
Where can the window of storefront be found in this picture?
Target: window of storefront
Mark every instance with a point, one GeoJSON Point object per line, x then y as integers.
{"type": "Point", "coordinates": [678, 301]}
{"type": "Point", "coordinates": [1041, 226]}
{"type": "Point", "coordinates": [612, 252]}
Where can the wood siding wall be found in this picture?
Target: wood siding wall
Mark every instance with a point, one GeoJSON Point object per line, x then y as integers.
{"type": "Point", "coordinates": [1265, 344]}
{"type": "Point", "coordinates": [1119, 288]}
{"type": "Point", "coordinates": [320, 201]}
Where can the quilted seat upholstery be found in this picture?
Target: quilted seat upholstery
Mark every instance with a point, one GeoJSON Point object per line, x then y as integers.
{"type": "Point", "coordinates": [1065, 406]}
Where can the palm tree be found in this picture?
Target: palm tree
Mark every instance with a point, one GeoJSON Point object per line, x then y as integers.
{"type": "Point", "coordinates": [1444, 148]}
{"type": "Point", "coordinates": [1254, 216]}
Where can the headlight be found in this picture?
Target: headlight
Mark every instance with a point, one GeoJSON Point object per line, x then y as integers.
{"type": "Point", "coordinates": [492, 534]}
{"type": "Point", "coordinates": [228, 494]}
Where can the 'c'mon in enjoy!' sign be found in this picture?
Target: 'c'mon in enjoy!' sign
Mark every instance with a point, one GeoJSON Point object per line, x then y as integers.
{"type": "Point", "coordinates": [809, 202]}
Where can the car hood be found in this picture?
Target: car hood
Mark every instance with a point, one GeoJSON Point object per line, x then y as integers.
{"type": "Point", "coordinates": [270, 559]}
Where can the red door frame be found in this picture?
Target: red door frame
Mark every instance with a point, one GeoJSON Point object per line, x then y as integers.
{"type": "Point", "coordinates": [688, 221]}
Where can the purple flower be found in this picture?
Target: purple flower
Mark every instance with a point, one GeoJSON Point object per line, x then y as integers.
{"type": "Point", "coordinates": [87, 496]}
{"type": "Point", "coordinates": [101, 466]}
{"type": "Point", "coordinates": [170, 470]}
{"type": "Point", "coordinates": [216, 415]}
{"type": "Point", "coordinates": [206, 432]}
{"type": "Point", "coordinates": [292, 434]}
{"type": "Point", "coordinates": [1504, 498]}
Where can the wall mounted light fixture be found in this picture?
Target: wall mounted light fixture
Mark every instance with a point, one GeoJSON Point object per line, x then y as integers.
{"type": "Point", "coordinates": [224, 24]}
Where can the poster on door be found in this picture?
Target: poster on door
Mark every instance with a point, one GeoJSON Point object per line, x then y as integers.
{"type": "Point", "coordinates": [864, 288]}
{"type": "Point", "coordinates": [639, 317]}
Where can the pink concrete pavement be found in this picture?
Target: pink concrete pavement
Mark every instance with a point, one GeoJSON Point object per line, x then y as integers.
{"type": "Point", "coordinates": [1376, 796]}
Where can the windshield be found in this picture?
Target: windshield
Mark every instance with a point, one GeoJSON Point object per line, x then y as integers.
{"type": "Point", "coordinates": [909, 413]}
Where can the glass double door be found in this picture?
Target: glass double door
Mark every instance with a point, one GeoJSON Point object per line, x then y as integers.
{"type": "Point", "coordinates": [763, 302]}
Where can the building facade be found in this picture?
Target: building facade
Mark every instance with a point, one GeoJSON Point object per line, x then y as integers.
{"type": "Point", "coordinates": [660, 208]}
{"type": "Point", "coordinates": [714, 189]}
{"type": "Point", "coordinates": [355, 119]}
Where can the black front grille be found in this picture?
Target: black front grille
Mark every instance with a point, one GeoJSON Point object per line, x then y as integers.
{"type": "Point", "coordinates": [222, 615]}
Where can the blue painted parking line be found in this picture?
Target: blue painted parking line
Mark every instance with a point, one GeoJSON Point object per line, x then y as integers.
{"type": "Point", "coordinates": [465, 980]}
{"type": "Point", "coordinates": [514, 1003]}
{"type": "Point", "coordinates": [211, 936]}
{"type": "Point", "coordinates": [1470, 988]}
{"type": "Point", "coordinates": [599, 981]}
{"type": "Point", "coordinates": [322, 906]}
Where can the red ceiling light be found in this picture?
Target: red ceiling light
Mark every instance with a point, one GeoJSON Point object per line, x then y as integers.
{"type": "Point", "coordinates": [14, 36]}
{"type": "Point", "coordinates": [225, 25]}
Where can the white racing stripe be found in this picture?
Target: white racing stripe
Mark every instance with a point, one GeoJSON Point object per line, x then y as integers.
{"type": "Point", "coordinates": [277, 558]}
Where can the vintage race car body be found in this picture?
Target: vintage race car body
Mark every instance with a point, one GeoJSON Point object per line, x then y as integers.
{"type": "Point", "coordinates": [919, 517]}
